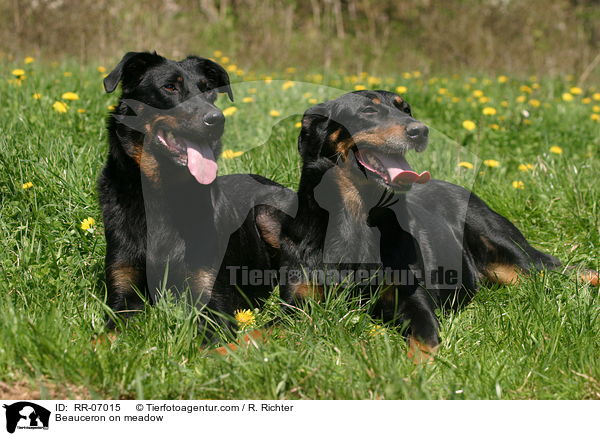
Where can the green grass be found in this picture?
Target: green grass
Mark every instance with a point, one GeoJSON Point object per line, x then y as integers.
{"type": "Point", "coordinates": [540, 339]}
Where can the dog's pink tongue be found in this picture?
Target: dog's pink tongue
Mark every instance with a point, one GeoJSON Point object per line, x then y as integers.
{"type": "Point", "coordinates": [400, 171]}
{"type": "Point", "coordinates": [201, 163]}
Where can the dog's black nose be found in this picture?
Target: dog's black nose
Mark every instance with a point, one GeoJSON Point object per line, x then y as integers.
{"type": "Point", "coordinates": [214, 118]}
{"type": "Point", "coordinates": [417, 130]}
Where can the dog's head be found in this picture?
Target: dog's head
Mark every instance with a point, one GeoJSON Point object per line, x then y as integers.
{"type": "Point", "coordinates": [172, 104]}
{"type": "Point", "coordinates": [368, 132]}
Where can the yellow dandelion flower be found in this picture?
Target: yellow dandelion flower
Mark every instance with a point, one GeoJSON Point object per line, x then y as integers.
{"type": "Point", "coordinates": [442, 91]}
{"type": "Point", "coordinates": [407, 75]}
{"type": "Point", "coordinates": [37, 96]}
{"type": "Point", "coordinates": [494, 126]}
{"type": "Point", "coordinates": [101, 69]}
{"type": "Point", "coordinates": [60, 107]}
{"type": "Point", "coordinates": [251, 90]}
{"type": "Point", "coordinates": [287, 85]}
{"type": "Point", "coordinates": [535, 85]}
{"type": "Point", "coordinates": [290, 70]}
{"type": "Point", "coordinates": [29, 60]}
{"type": "Point", "coordinates": [88, 224]}
{"type": "Point", "coordinates": [376, 330]}
{"type": "Point", "coordinates": [27, 185]}
{"type": "Point", "coordinates": [477, 93]}
{"type": "Point", "coordinates": [535, 103]}
{"type": "Point", "coordinates": [576, 90]}
{"type": "Point", "coordinates": [111, 107]}
{"type": "Point", "coordinates": [518, 184]}
{"type": "Point", "coordinates": [595, 117]}
{"type": "Point", "coordinates": [489, 110]}
{"type": "Point", "coordinates": [567, 96]}
{"type": "Point", "coordinates": [525, 167]}
{"type": "Point", "coordinates": [492, 163]}
{"type": "Point", "coordinates": [469, 125]}
{"type": "Point", "coordinates": [455, 99]}
{"type": "Point", "coordinates": [71, 96]}
{"type": "Point", "coordinates": [217, 53]}
{"type": "Point", "coordinates": [401, 89]}
{"type": "Point", "coordinates": [502, 79]}
{"type": "Point", "coordinates": [521, 99]}
{"type": "Point", "coordinates": [372, 80]}
{"type": "Point", "coordinates": [247, 99]}
{"type": "Point", "coordinates": [313, 100]}
{"type": "Point", "coordinates": [465, 164]}
{"type": "Point", "coordinates": [81, 111]}
{"type": "Point", "coordinates": [586, 100]}
{"type": "Point", "coordinates": [526, 89]}
{"type": "Point", "coordinates": [229, 111]}
{"type": "Point", "coordinates": [18, 72]}
{"type": "Point", "coordinates": [416, 74]}
{"type": "Point", "coordinates": [556, 149]}
{"type": "Point", "coordinates": [224, 60]}
{"type": "Point", "coordinates": [245, 318]}
{"type": "Point", "coordinates": [67, 74]}
{"type": "Point", "coordinates": [232, 68]}
{"type": "Point", "coordinates": [484, 100]}
{"type": "Point", "coordinates": [274, 113]}
{"type": "Point", "coordinates": [230, 154]}
{"type": "Point", "coordinates": [596, 96]}
{"type": "Point", "coordinates": [596, 108]}
{"type": "Point", "coordinates": [298, 125]}
{"type": "Point", "coordinates": [359, 87]}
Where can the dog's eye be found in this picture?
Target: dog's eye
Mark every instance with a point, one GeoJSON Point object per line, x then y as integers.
{"type": "Point", "coordinates": [170, 87]}
{"type": "Point", "coordinates": [406, 109]}
{"type": "Point", "coordinates": [368, 110]}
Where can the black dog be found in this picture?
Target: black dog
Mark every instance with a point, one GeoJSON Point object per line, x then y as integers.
{"type": "Point", "coordinates": [169, 221]}
{"type": "Point", "coordinates": [362, 209]}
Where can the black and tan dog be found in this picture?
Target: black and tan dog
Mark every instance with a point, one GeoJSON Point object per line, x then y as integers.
{"type": "Point", "coordinates": [362, 208]}
{"type": "Point", "coordinates": [170, 222]}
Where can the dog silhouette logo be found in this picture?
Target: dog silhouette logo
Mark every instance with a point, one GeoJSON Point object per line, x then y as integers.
{"type": "Point", "coordinates": [26, 415]}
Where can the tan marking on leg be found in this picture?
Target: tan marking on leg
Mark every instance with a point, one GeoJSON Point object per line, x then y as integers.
{"type": "Point", "coordinates": [502, 273]}
{"type": "Point", "coordinates": [105, 338]}
{"type": "Point", "coordinates": [123, 277]}
{"type": "Point", "coordinates": [253, 337]}
{"type": "Point", "coordinates": [269, 229]}
{"type": "Point", "coordinates": [590, 277]}
{"type": "Point", "coordinates": [419, 352]}
{"type": "Point", "coordinates": [389, 295]}
{"type": "Point", "coordinates": [308, 290]}
{"type": "Point", "coordinates": [202, 283]}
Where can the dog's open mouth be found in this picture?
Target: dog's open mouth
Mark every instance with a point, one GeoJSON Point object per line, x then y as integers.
{"type": "Point", "coordinates": [198, 157]}
{"type": "Point", "coordinates": [392, 168]}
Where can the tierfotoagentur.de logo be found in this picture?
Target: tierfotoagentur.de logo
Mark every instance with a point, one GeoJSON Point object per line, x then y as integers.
{"type": "Point", "coordinates": [24, 415]}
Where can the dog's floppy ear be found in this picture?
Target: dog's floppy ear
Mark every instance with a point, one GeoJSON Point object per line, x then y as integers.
{"type": "Point", "coordinates": [136, 62]}
{"type": "Point", "coordinates": [314, 131]}
{"type": "Point", "coordinates": [215, 73]}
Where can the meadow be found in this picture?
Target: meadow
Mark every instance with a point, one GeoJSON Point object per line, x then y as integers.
{"type": "Point", "coordinates": [529, 146]}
